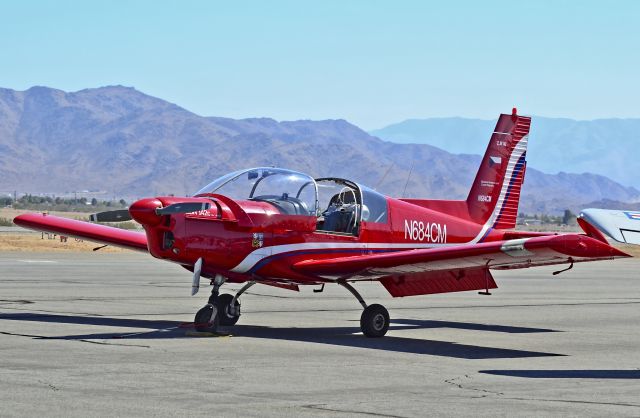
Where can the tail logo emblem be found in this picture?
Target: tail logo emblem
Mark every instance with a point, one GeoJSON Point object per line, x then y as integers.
{"type": "Point", "coordinates": [633, 215]}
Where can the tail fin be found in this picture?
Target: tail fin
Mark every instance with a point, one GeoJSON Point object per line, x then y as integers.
{"type": "Point", "coordinates": [495, 193]}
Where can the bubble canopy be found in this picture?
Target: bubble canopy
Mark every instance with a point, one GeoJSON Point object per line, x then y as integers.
{"type": "Point", "coordinates": [294, 192]}
{"type": "Point", "coordinates": [297, 193]}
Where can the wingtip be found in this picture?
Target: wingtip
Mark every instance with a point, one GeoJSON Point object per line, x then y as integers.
{"type": "Point", "coordinates": [23, 220]}
{"type": "Point", "coordinates": [621, 254]}
{"type": "Point", "coordinates": [579, 245]}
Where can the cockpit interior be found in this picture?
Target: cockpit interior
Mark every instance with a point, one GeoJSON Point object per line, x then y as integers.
{"type": "Point", "coordinates": [339, 205]}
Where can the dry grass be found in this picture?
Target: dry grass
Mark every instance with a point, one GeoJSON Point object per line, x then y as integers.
{"type": "Point", "coordinates": [33, 242]}
{"type": "Point", "coordinates": [21, 240]}
{"type": "Point", "coordinates": [11, 213]}
{"type": "Point", "coordinates": [633, 250]}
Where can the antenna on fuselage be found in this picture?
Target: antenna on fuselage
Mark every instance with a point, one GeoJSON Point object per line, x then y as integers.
{"type": "Point", "coordinates": [383, 177]}
{"type": "Point", "coordinates": [408, 177]}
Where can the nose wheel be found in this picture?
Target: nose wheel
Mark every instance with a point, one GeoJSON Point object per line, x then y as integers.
{"type": "Point", "coordinates": [228, 309]}
{"type": "Point", "coordinates": [221, 310]}
{"type": "Point", "coordinates": [374, 321]}
{"type": "Point", "coordinates": [206, 318]}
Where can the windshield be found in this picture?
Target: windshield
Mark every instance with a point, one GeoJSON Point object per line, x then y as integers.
{"type": "Point", "coordinates": [374, 205]}
{"type": "Point", "coordinates": [291, 192]}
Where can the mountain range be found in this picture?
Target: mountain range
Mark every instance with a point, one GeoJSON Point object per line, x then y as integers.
{"type": "Point", "coordinates": [132, 145]}
{"type": "Point", "coordinates": [609, 147]}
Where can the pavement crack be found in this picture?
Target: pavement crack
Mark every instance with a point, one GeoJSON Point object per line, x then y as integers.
{"type": "Point", "coordinates": [323, 407]}
{"type": "Point", "coordinates": [42, 337]}
{"type": "Point", "coordinates": [456, 382]}
{"type": "Point", "coordinates": [51, 312]}
{"type": "Point", "coordinates": [116, 344]}
{"type": "Point", "coordinates": [16, 301]}
{"type": "Point", "coordinates": [576, 401]}
{"type": "Point", "coordinates": [51, 386]}
{"type": "Point", "coordinates": [15, 334]}
{"type": "Point", "coordinates": [486, 393]}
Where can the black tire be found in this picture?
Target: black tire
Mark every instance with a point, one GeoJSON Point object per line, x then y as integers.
{"type": "Point", "coordinates": [374, 321]}
{"type": "Point", "coordinates": [224, 301]}
{"type": "Point", "coordinates": [202, 321]}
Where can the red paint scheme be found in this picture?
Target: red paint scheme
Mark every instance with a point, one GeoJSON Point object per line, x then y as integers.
{"type": "Point", "coordinates": [425, 246]}
{"type": "Point", "coordinates": [553, 249]}
{"type": "Point", "coordinates": [439, 282]}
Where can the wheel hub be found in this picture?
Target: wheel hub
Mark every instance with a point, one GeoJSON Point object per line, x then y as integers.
{"type": "Point", "coordinates": [378, 322]}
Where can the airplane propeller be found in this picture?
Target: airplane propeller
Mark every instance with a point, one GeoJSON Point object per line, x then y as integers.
{"type": "Point", "coordinates": [120, 215]}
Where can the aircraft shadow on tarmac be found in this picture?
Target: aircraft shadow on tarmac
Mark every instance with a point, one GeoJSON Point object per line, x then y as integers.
{"type": "Point", "coordinates": [567, 374]}
{"type": "Point", "coordinates": [339, 336]}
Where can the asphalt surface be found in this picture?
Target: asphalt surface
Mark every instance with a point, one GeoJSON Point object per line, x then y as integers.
{"type": "Point", "coordinates": [96, 334]}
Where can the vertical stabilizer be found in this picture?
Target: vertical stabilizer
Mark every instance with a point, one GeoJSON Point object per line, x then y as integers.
{"type": "Point", "coordinates": [495, 193]}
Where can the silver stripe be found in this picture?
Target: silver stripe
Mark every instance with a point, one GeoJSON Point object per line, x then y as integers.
{"type": "Point", "coordinates": [515, 248]}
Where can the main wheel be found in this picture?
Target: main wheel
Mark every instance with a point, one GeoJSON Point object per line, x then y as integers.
{"type": "Point", "coordinates": [203, 320]}
{"type": "Point", "coordinates": [228, 316]}
{"type": "Point", "coordinates": [374, 321]}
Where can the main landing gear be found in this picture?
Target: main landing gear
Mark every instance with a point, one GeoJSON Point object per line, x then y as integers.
{"type": "Point", "coordinates": [374, 321]}
{"type": "Point", "coordinates": [225, 310]}
{"type": "Point", "coordinates": [221, 309]}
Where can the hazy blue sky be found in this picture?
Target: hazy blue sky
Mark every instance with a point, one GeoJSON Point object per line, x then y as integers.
{"type": "Point", "coordinates": [370, 62]}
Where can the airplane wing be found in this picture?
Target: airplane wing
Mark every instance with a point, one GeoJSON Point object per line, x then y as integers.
{"type": "Point", "coordinates": [621, 225]}
{"type": "Point", "coordinates": [93, 232]}
{"type": "Point", "coordinates": [457, 268]}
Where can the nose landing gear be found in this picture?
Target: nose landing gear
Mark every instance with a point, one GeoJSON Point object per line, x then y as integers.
{"type": "Point", "coordinates": [207, 318]}
{"type": "Point", "coordinates": [221, 310]}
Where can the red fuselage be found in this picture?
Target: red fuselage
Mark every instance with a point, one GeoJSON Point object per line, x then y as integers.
{"type": "Point", "coordinates": [246, 239]}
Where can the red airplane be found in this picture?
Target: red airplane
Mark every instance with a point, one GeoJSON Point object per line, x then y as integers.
{"type": "Point", "coordinates": [283, 228]}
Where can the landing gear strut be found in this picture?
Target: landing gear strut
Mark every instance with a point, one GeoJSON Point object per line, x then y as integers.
{"type": "Point", "coordinates": [229, 306]}
{"type": "Point", "coordinates": [374, 321]}
{"type": "Point", "coordinates": [207, 318]}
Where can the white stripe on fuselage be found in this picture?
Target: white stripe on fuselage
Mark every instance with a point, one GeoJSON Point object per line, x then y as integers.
{"type": "Point", "coordinates": [261, 253]}
{"type": "Point", "coordinates": [258, 255]}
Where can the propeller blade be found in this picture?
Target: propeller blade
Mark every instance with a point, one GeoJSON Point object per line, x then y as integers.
{"type": "Point", "coordinates": [111, 216]}
{"type": "Point", "coordinates": [197, 270]}
{"type": "Point", "coordinates": [186, 207]}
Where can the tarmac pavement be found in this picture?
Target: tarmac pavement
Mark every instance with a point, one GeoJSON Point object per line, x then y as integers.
{"type": "Point", "coordinates": [98, 334]}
